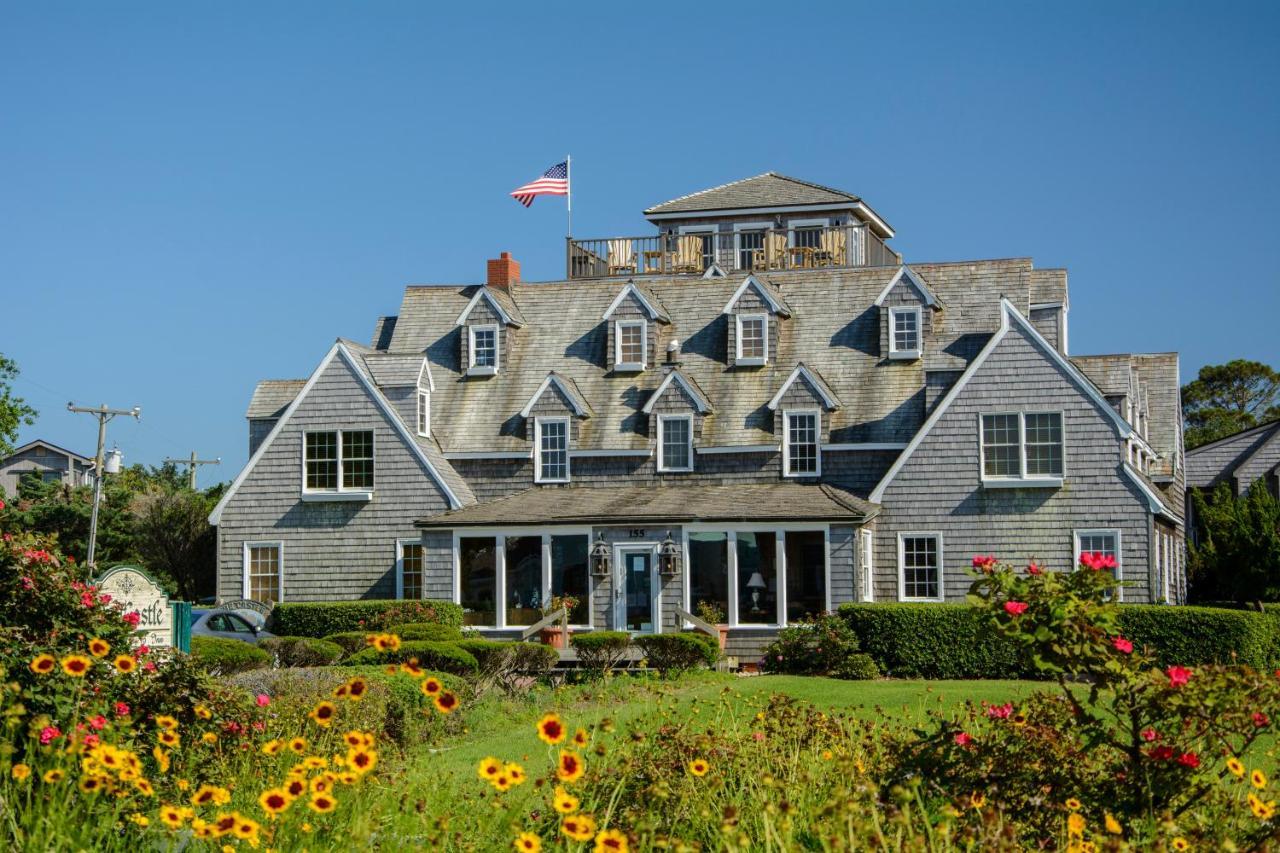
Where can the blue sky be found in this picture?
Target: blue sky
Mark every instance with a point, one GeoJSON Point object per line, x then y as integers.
{"type": "Point", "coordinates": [197, 196]}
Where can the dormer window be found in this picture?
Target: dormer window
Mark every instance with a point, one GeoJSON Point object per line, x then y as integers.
{"type": "Point", "coordinates": [675, 443]}
{"type": "Point", "coordinates": [753, 339]}
{"type": "Point", "coordinates": [483, 349]}
{"type": "Point", "coordinates": [630, 345]}
{"type": "Point", "coordinates": [424, 413]}
{"type": "Point", "coordinates": [551, 444]}
{"type": "Point", "coordinates": [904, 332]}
{"type": "Point", "coordinates": [800, 454]}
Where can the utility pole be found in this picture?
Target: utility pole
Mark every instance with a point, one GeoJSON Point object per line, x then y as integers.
{"type": "Point", "coordinates": [103, 414]}
{"type": "Point", "coordinates": [191, 466]}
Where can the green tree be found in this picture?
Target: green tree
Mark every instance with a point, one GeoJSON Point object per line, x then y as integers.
{"type": "Point", "coordinates": [173, 537]}
{"type": "Point", "coordinates": [14, 411]}
{"type": "Point", "coordinates": [1227, 398]}
{"type": "Point", "coordinates": [1238, 556]}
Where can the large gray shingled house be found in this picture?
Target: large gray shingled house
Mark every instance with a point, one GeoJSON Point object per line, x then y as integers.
{"type": "Point", "coordinates": [759, 406]}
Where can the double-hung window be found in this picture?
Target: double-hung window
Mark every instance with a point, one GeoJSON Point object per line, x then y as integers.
{"type": "Point", "coordinates": [551, 443]}
{"type": "Point", "coordinates": [484, 349]}
{"type": "Point", "coordinates": [753, 339]}
{"type": "Point", "coordinates": [1022, 449]}
{"type": "Point", "coordinates": [904, 332]}
{"type": "Point", "coordinates": [1102, 542]}
{"type": "Point", "coordinates": [263, 570]}
{"type": "Point", "coordinates": [338, 461]}
{"type": "Point", "coordinates": [630, 347]}
{"type": "Point", "coordinates": [424, 413]}
{"type": "Point", "coordinates": [920, 567]}
{"type": "Point", "coordinates": [409, 569]}
{"type": "Point", "coordinates": [675, 443]}
{"type": "Point", "coordinates": [800, 455]}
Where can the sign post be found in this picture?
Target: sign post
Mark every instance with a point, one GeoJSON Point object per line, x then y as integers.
{"type": "Point", "coordinates": [158, 624]}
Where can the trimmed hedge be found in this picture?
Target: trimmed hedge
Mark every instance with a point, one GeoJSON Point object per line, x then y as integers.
{"type": "Point", "coordinates": [349, 641]}
{"type": "Point", "coordinates": [301, 651]}
{"type": "Point", "coordinates": [676, 653]}
{"type": "Point", "coordinates": [446, 657]}
{"type": "Point", "coordinates": [322, 618]}
{"type": "Point", "coordinates": [219, 656]}
{"type": "Point", "coordinates": [434, 632]}
{"type": "Point", "coordinates": [948, 641]}
{"type": "Point", "coordinates": [600, 650]}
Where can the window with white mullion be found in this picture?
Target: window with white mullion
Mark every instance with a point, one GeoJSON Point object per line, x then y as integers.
{"type": "Point", "coordinates": [1024, 446]}
{"type": "Point", "coordinates": [631, 349]}
{"type": "Point", "coordinates": [920, 566]}
{"type": "Point", "coordinates": [552, 449]}
{"type": "Point", "coordinates": [424, 413]}
{"type": "Point", "coordinates": [484, 346]}
{"type": "Point", "coordinates": [338, 460]}
{"type": "Point", "coordinates": [904, 331]}
{"type": "Point", "coordinates": [753, 338]}
{"type": "Point", "coordinates": [675, 443]}
{"type": "Point", "coordinates": [800, 444]}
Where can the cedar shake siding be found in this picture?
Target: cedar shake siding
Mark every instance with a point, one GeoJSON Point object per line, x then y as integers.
{"type": "Point", "coordinates": [897, 429]}
{"type": "Point", "coordinates": [331, 550]}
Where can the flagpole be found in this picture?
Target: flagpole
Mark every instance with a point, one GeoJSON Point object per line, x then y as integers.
{"type": "Point", "coordinates": [568, 179]}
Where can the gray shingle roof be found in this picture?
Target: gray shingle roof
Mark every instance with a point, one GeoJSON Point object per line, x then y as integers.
{"type": "Point", "coordinates": [1048, 286]}
{"type": "Point", "coordinates": [391, 370]}
{"type": "Point", "coordinates": [1149, 379]}
{"type": "Point", "coordinates": [834, 330]}
{"type": "Point", "coordinates": [1215, 462]}
{"type": "Point", "coordinates": [272, 397]}
{"type": "Point", "coordinates": [781, 501]}
{"type": "Point", "coordinates": [767, 190]}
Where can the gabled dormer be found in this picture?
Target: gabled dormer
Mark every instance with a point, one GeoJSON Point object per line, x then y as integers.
{"type": "Point", "coordinates": [907, 307]}
{"type": "Point", "coordinates": [676, 410]}
{"type": "Point", "coordinates": [754, 314]}
{"type": "Point", "coordinates": [553, 417]}
{"type": "Point", "coordinates": [405, 380]}
{"type": "Point", "coordinates": [485, 327]}
{"type": "Point", "coordinates": [631, 336]}
{"type": "Point", "coordinates": [799, 408]}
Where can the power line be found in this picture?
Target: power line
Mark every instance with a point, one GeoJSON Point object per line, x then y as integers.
{"type": "Point", "coordinates": [191, 464]}
{"type": "Point", "coordinates": [103, 414]}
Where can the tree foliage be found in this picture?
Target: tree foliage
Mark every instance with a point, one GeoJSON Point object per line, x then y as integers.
{"type": "Point", "coordinates": [172, 535]}
{"type": "Point", "coordinates": [1238, 556]}
{"type": "Point", "coordinates": [1226, 398]}
{"type": "Point", "coordinates": [14, 411]}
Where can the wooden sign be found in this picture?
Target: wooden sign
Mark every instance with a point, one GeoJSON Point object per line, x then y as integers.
{"type": "Point", "coordinates": [137, 592]}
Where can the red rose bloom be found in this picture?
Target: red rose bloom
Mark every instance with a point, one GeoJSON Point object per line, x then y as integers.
{"type": "Point", "coordinates": [1122, 645]}
{"type": "Point", "coordinates": [1015, 608]}
{"type": "Point", "coordinates": [1178, 675]}
{"type": "Point", "coordinates": [1189, 759]}
{"type": "Point", "coordinates": [963, 739]}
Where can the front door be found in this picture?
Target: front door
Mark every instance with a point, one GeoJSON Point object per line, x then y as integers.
{"type": "Point", "coordinates": [635, 597]}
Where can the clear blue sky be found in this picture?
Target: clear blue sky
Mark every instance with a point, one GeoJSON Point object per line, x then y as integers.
{"type": "Point", "coordinates": [197, 196]}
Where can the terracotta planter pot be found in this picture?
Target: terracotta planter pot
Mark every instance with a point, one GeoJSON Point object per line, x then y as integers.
{"type": "Point", "coordinates": [723, 630]}
{"type": "Point", "coordinates": [553, 637]}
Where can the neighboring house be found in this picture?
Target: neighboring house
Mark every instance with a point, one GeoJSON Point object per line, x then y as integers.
{"type": "Point", "coordinates": [1241, 460]}
{"type": "Point", "coordinates": [51, 462]}
{"type": "Point", "coordinates": [762, 391]}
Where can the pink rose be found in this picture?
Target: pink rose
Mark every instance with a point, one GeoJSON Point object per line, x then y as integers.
{"type": "Point", "coordinates": [1122, 645]}
{"type": "Point", "coordinates": [1015, 608]}
{"type": "Point", "coordinates": [92, 740]}
{"type": "Point", "coordinates": [963, 739]}
{"type": "Point", "coordinates": [1150, 734]}
{"type": "Point", "coordinates": [1189, 759]}
{"type": "Point", "coordinates": [1260, 719]}
{"type": "Point", "coordinates": [985, 562]}
{"type": "Point", "coordinates": [1162, 753]}
{"type": "Point", "coordinates": [49, 733]}
{"type": "Point", "coordinates": [1178, 675]}
{"type": "Point", "coordinates": [99, 722]}
{"type": "Point", "coordinates": [122, 709]}
{"type": "Point", "coordinates": [1000, 712]}
{"type": "Point", "coordinates": [263, 700]}
{"type": "Point", "coordinates": [1035, 569]}
{"type": "Point", "coordinates": [132, 618]}
{"type": "Point", "coordinates": [149, 667]}
{"type": "Point", "coordinates": [143, 650]}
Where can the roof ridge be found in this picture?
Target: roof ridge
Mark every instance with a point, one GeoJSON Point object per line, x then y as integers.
{"type": "Point", "coordinates": [708, 190]}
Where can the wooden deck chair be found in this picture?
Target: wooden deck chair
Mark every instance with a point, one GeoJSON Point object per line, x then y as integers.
{"type": "Point", "coordinates": [622, 256]}
{"type": "Point", "coordinates": [775, 247]}
{"type": "Point", "coordinates": [689, 253]}
{"type": "Point", "coordinates": [833, 247]}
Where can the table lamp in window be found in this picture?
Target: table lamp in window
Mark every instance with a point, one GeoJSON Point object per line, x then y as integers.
{"type": "Point", "coordinates": [755, 584]}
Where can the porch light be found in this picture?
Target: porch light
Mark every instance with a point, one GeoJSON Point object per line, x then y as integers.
{"type": "Point", "coordinates": [668, 555]}
{"type": "Point", "coordinates": [600, 557]}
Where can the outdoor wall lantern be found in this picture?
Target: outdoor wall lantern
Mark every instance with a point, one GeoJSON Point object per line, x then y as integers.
{"type": "Point", "coordinates": [668, 556]}
{"type": "Point", "coordinates": [600, 557]}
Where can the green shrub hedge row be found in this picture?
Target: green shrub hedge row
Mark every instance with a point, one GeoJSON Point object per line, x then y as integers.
{"type": "Point", "coordinates": [301, 651]}
{"type": "Point", "coordinates": [675, 653]}
{"type": "Point", "coordinates": [948, 640]}
{"type": "Point", "coordinates": [219, 656]}
{"type": "Point", "coordinates": [445, 657]}
{"type": "Point", "coordinates": [322, 618]}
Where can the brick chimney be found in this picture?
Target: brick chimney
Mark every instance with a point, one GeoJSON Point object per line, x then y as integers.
{"type": "Point", "coordinates": [504, 271]}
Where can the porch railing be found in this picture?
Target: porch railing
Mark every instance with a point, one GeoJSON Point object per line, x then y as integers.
{"type": "Point", "coordinates": [762, 250]}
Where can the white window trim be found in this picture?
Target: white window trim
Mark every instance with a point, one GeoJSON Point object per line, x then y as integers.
{"type": "Point", "coordinates": [617, 604]}
{"type": "Point", "coordinates": [902, 569]}
{"type": "Point", "coordinates": [754, 361]}
{"type": "Point", "coordinates": [793, 224]}
{"type": "Point", "coordinates": [1100, 531]}
{"type": "Point", "coordinates": [738, 228]}
{"type": "Point", "coordinates": [537, 449]}
{"type": "Point", "coordinates": [868, 565]}
{"type": "Point", "coordinates": [341, 493]}
{"type": "Point", "coordinates": [618, 363]}
{"type": "Point", "coordinates": [786, 442]}
{"type": "Point", "coordinates": [400, 545]}
{"type": "Point", "coordinates": [1023, 480]}
{"type": "Point", "coordinates": [483, 370]}
{"type": "Point", "coordinates": [424, 413]}
{"type": "Point", "coordinates": [906, 354]}
{"type": "Point", "coordinates": [662, 467]}
{"type": "Point", "coordinates": [500, 536]}
{"type": "Point", "coordinates": [704, 230]}
{"type": "Point", "coordinates": [244, 565]}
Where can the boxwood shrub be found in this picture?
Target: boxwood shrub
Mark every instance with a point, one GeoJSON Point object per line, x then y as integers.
{"type": "Point", "coordinates": [948, 640]}
{"type": "Point", "coordinates": [676, 653]}
{"type": "Point", "coordinates": [220, 656]}
{"type": "Point", "coordinates": [433, 631]}
{"type": "Point", "coordinates": [446, 657]}
{"type": "Point", "coordinates": [301, 651]}
{"type": "Point", "coordinates": [349, 641]}
{"type": "Point", "coordinates": [600, 650]}
{"type": "Point", "coordinates": [322, 618]}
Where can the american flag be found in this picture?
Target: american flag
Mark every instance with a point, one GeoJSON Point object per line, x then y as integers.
{"type": "Point", "coordinates": [554, 181]}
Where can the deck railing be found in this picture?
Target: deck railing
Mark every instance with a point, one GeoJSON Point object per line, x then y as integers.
{"type": "Point", "coordinates": [763, 250]}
